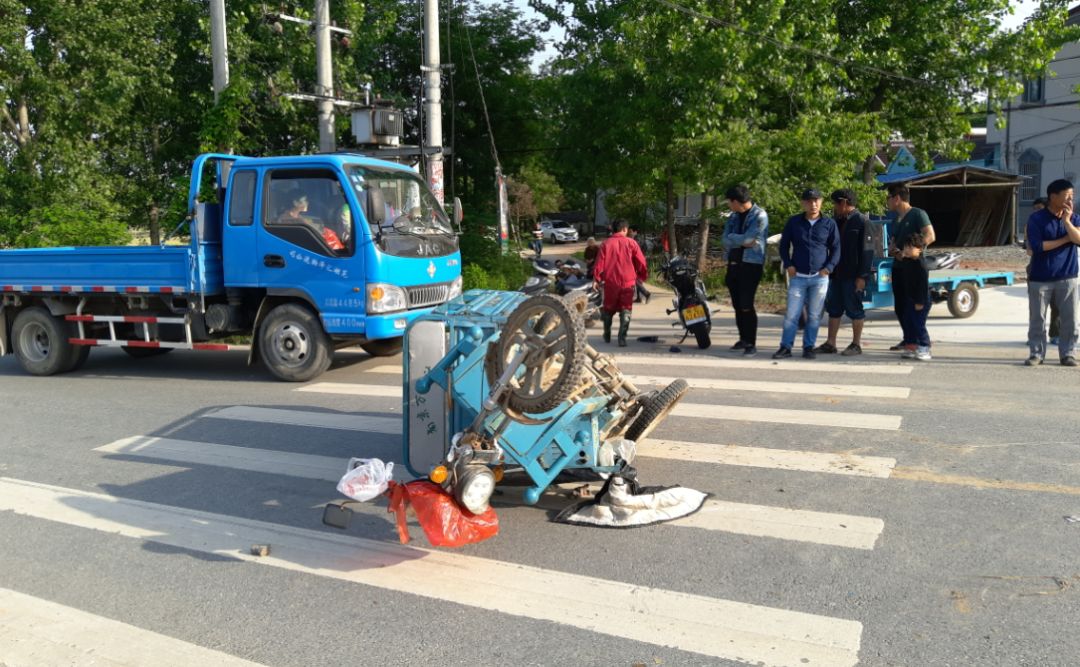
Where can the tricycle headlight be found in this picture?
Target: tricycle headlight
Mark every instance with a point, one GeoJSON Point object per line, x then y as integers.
{"type": "Point", "coordinates": [383, 298]}
{"type": "Point", "coordinates": [455, 288]}
{"type": "Point", "coordinates": [474, 487]}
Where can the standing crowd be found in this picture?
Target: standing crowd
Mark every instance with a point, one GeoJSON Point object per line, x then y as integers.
{"type": "Point", "coordinates": [828, 262]}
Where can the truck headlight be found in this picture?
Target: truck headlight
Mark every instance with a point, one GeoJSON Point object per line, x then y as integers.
{"type": "Point", "coordinates": [455, 288]}
{"type": "Point", "coordinates": [383, 298]}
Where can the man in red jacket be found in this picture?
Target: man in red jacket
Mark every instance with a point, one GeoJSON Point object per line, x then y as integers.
{"type": "Point", "coordinates": [619, 266]}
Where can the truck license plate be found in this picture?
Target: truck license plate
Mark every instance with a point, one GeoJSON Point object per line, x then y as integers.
{"type": "Point", "coordinates": [693, 314]}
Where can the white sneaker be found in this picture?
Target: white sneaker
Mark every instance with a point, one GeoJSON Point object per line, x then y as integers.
{"type": "Point", "coordinates": [922, 353]}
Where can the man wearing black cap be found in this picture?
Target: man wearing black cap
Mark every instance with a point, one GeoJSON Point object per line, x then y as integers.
{"type": "Point", "coordinates": [809, 250]}
{"type": "Point", "coordinates": [847, 283]}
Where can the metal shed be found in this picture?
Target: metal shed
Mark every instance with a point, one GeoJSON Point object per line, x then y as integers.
{"type": "Point", "coordinates": [968, 206]}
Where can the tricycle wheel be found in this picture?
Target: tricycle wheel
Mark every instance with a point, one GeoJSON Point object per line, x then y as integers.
{"type": "Point", "coordinates": [554, 335]}
{"type": "Point", "coordinates": [964, 300]}
{"type": "Point", "coordinates": [656, 408]}
{"type": "Point", "coordinates": [383, 347]}
{"type": "Point", "coordinates": [293, 345]}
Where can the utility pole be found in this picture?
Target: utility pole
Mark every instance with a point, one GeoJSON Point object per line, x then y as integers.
{"type": "Point", "coordinates": [218, 47]}
{"type": "Point", "coordinates": [324, 86]}
{"type": "Point", "coordinates": [433, 97]}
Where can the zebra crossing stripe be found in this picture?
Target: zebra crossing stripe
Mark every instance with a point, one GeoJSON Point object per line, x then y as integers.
{"type": "Point", "coordinates": [308, 418]}
{"type": "Point", "coordinates": [39, 632]}
{"type": "Point", "coordinates": [813, 388]}
{"type": "Point", "coordinates": [765, 457]}
{"type": "Point", "coordinates": [792, 365]}
{"type": "Point", "coordinates": [349, 388]}
{"type": "Point", "coordinates": [782, 416]}
{"type": "Point", "coordinates": [711, 627]}
{"type": "Point", "coordinates": [758, 520]}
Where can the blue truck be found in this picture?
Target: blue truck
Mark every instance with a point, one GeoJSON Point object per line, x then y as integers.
{"type": "Point", "coordinates": [307, 254]}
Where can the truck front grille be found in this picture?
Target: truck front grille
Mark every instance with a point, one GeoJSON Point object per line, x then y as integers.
{"type": "Point", "coordinates": [428, 295]}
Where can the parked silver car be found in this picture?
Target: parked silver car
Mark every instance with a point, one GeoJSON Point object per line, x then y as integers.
{"type": "Point", "coordinates": [558, 231]}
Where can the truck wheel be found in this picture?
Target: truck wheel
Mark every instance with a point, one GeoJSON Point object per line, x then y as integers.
{"type": "Point", "coordinates": [964, 300]}
{"type": "Point", "coordinates": [293, 345]}
{"type": "Point", "coordinates": [81, 354]}
{"type": "Point", "coordinates": [656, 408]}
{"type": "Point", "coordinates": [41, 343]}
{"type": "Point", "coordinates": [383, 347]}
{"type": "Point", "coordinates": [144, 352]}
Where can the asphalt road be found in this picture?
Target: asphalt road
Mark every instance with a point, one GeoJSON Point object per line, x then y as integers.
{"type": "Point", "coordinates": [873, 511]}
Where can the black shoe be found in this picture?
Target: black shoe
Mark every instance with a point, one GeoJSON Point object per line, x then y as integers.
{"type": "Point", "coordinates": [741, 345]}
{"type": "Point", "coordinates": [1068, 361]}
{"type": "Point", "coordinates": [808, 353]}
{"type": "Point", "coordinates": [647, 297]}
{"type": "Point", "coordinates": [896, 348]}
{"type": "Point", "coordinates": [825, 348]}
{"type": "Point", "coordinates": [1033, 360]}
{"type": "Point", "coordinates": [782, 353]}
{"type": "Point", "coordinates": [749, 351]}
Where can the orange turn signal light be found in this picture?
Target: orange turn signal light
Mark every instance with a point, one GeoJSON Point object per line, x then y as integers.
{"type": "Point", "coordinates": [377, 293]}
{"type": "Point", "coordinates": [438, 474]}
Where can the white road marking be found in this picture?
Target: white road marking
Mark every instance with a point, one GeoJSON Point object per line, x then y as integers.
{"type": "Point", "coordinates": [350, 388]}
{"type": "Point", "coordinates": [39, 632]}
{"type": "Point", "coordinates": [783, 416]}
{"type": "Point", "coordinates": [764, 457]}
{"type": "Point", "coordinates": [790, 365]}
{"type": "Point", "coordinates": [707, 626]}
{"type": "Point", "coordinates": [750, 520]}
{"type": "Point", "coordinates": [348, 422]}
{"type": "Point", "coordinates": [856, 390]}
{"type": "Point", "coordinates": [841, 530]}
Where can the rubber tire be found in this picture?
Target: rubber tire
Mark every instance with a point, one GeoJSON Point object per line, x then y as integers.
{"type": "Point", "coordinates": [569, 377]}
{"type": "Point", "coordinates": [383, 347]}
{"type": "Point", "coordinates": [82, 353]}
{"type": "Point", "coordinates": [145, 352]}
{"type": "Point", "coordinates": [968, 291]}
{"type": "Point", "coordinates": [61, 355]}
{"type": "Point", "coordinates": [655, 409]}
{"type": "Point", "coordinates": [701, 333]}
{"type": "Point", "coordinates": [305, 324]}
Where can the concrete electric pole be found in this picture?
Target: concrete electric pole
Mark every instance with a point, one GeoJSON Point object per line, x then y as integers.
{"type": "Point", "coordinates": [432, 70]}
{"type": "Point", "coordinates": [324, 86]}
{"type": "Point", "coordinates": [218, 47]}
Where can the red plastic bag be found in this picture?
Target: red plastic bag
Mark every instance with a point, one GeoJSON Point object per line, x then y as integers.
{"type": "Point", "coordinates": [445, 523]}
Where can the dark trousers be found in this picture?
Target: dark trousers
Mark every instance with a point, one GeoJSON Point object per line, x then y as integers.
{"type": "Point", "coordinates": [913, 323]}
{"type": "Point", "coordinates": [899, 297]}
{"type": "Point", "coordinates": [742, 282]}
{"type": "Point", "coordinates": [642, 292]}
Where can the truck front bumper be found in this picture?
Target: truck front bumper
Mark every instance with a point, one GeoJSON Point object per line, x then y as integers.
{"type": "Point", "coordinates": [392, 325]}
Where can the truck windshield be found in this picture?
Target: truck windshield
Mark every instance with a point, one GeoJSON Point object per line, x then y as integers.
{"type": "Point", "coordinates": [412, 224]}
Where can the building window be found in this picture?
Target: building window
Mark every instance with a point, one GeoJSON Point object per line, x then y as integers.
{"type": "Point", "coordinates": [1034, 90]}
{"type": "Point", "coordinates": [1031, 172]}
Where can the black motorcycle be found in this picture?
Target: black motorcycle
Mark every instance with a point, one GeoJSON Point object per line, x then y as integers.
{"type": "Point", "coordinates": [690, 300]}
{"type": "Point", "coordinates": [568, 279]}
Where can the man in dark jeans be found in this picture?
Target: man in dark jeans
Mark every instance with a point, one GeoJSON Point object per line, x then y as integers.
{"type": "Point", "coordinates": [909, 220]}
{"type": "Point", "coordinates": [846, 284]}
{"type": "Point", "coordinates": [744, 239]}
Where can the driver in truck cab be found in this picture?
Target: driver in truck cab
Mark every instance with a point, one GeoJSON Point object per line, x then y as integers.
{"type": "Point", "coordinates": [295, 215]}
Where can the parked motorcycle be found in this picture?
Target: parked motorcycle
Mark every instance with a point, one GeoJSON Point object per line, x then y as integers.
{"type": "Point", "coordinates": [690, 300]}
{"type": "Point", "coordinates": [944, 260]}
{"type": "Point", "coordinates": [568, 279]}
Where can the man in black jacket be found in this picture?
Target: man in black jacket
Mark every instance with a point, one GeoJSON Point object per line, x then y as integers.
{"type": "Point", "coordinates": [848, 282]}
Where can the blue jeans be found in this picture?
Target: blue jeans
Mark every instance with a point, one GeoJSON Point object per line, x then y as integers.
{"type": "Point", "coordinates": [811, 293]}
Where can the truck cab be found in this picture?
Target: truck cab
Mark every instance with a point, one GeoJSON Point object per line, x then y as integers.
{"type": "Point", "coordinates": [306, 253]}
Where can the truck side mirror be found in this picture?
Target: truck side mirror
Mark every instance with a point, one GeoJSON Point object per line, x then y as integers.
{"type": "Point", "coordinates": [376, 207]}
{"type": "Point", "coordinates": [459, 215]}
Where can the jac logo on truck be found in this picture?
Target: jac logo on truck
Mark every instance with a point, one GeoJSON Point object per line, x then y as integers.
{"type": "Point", "coordinates": [431, 269]}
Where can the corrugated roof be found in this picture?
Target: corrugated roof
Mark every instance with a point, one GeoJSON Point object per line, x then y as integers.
{"type": "Point", "coordinates": [983, 174]}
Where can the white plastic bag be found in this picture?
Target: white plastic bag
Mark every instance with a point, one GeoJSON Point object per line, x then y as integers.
{"type": "Point", "coordinates": [366, 479]}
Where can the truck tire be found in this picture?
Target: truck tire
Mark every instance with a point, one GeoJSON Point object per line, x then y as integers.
{"type": "Point", "coordinates": [81, 354]}
{"type": "Point", "coordinates": [383, 347]}
{"type": "Point", "coordinates": [41, 343]}
{"type": "Point", "coordinates": [964, 300]}
{"type": "Point", "coordinates": [293, 345]}
{"type": "Point", "coordinates": [144, 352]}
